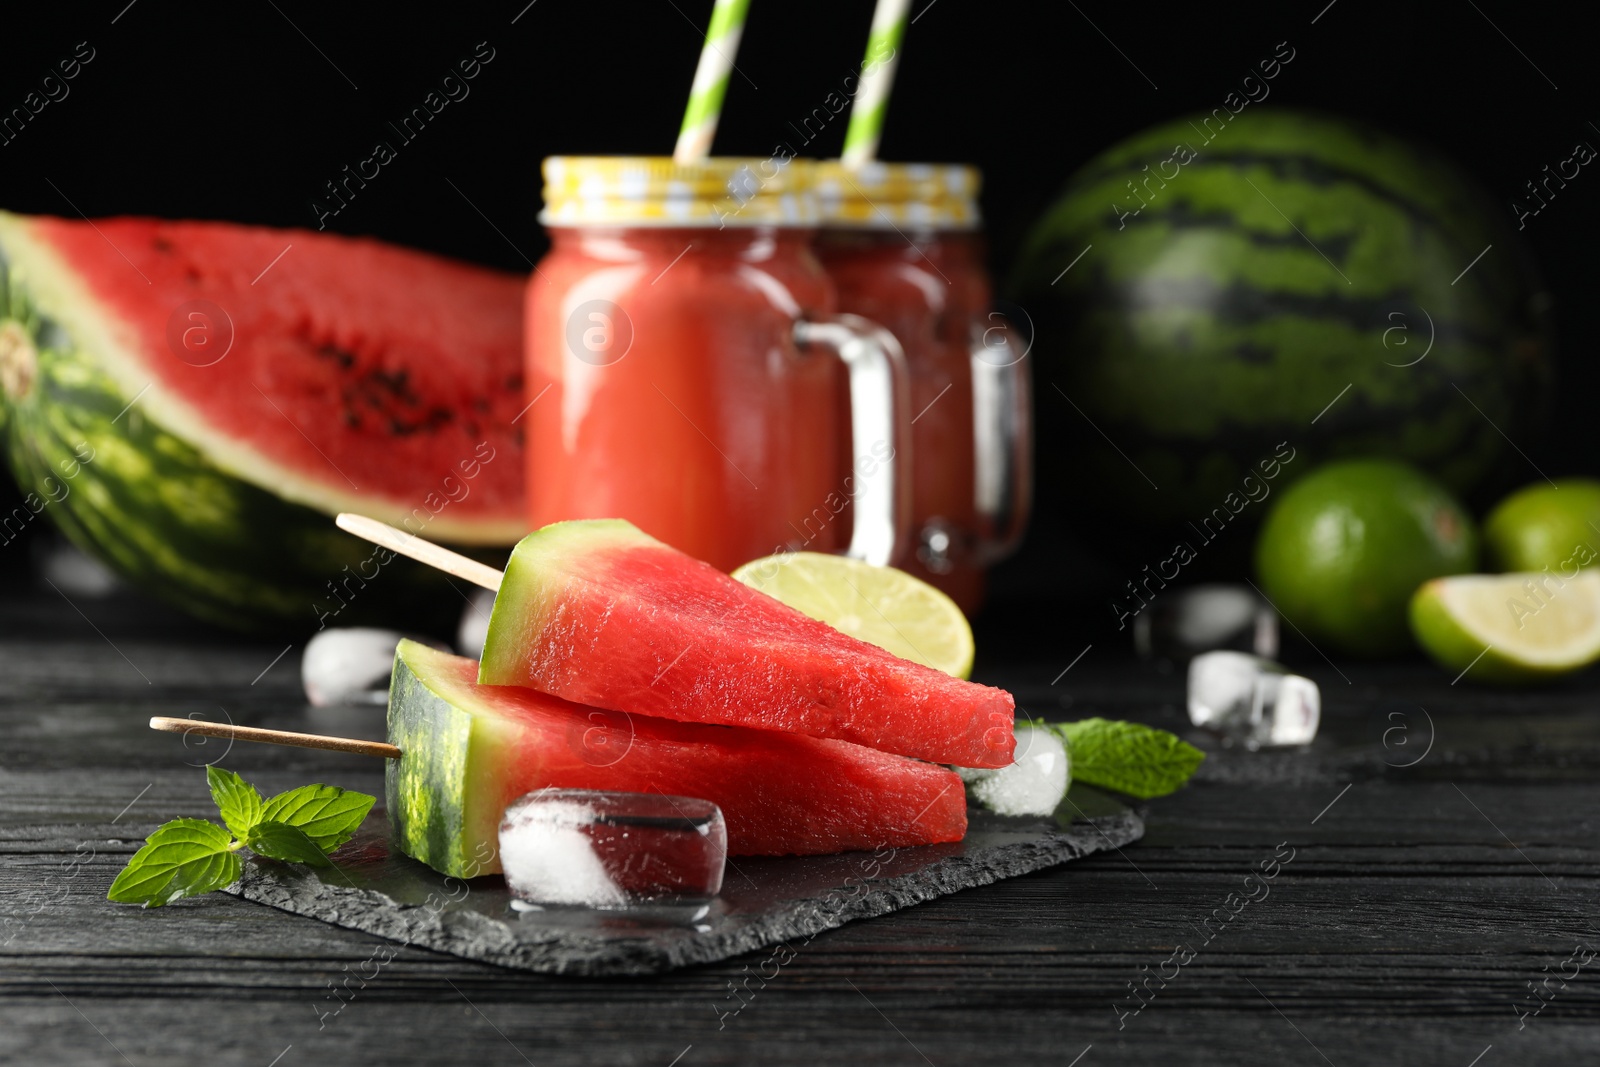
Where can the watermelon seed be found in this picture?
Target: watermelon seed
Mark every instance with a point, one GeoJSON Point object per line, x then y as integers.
{"type": "Point", "coordinates": [339, 355]}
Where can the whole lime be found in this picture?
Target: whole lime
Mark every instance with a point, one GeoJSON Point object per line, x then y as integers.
{"type": "Point", "coordinates": [1546, 525]}
{"type": "Point", "coordinates": [1344, 548]}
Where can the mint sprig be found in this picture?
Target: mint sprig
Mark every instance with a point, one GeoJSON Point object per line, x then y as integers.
{"type": "Point", "coordinates": [188, 857]}
{"type": "Point", "coordinates": [1129, 757]}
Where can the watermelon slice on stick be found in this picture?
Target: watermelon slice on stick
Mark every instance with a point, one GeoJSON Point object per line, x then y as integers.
{"type": "Point", "coordinates": [601, 613]}
{"type": "Point", "coordinates": [471, 749]}
{"type": "Point", "coordinates": [463, 752]}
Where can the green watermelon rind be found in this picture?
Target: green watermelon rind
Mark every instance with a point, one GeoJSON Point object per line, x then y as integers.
{"type": "Point", "coordinates": [432, 816]}
{"type": "Point", "coordinates": [167, 518]}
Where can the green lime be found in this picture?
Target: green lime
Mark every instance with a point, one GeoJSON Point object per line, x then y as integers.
{"type": "Point", "coordinates": [880, 605]}
{"type": "Point", "coordinates": [1510, 627]}
{"type": "Point", "coordinates": [1544, 525]}
{"type": "Point", "coordinates": [1343, 549]}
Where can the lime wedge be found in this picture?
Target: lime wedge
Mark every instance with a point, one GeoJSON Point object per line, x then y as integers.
{"type": "Point", "coordinates": [880, 605]}
{"type": "Point", "coordinates": [1510, 627]}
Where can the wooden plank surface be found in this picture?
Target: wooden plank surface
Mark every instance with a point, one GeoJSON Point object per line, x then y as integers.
{"type": "Point", "coordinates": [1419, 902]}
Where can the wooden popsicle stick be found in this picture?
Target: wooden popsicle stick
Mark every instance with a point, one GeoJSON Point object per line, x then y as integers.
{"type": "Point", "coordinates": [409, 544]}
{"type": "Point", "coordinates": [275, 737]}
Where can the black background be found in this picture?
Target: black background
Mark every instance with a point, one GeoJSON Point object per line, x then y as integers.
{"type": "Point", "coordinates": [193, 110]}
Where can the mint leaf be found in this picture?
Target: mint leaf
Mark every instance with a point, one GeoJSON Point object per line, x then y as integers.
{"type": "Point", "coordinates": [184, 858]}
{"type": "Point", "coordinates": [280, 841]}
{"type": "Point", "coordinates": [187, 857]}
{"type": "Point", "coordinates": [236, 799]}
{"type": "Point", "coordinates": [1138, 760]}
{"type": "Point", "coordinates": [327, 815]}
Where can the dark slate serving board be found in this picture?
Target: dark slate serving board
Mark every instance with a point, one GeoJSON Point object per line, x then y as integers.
{"type": "Point", "coordinates": [764, 901]}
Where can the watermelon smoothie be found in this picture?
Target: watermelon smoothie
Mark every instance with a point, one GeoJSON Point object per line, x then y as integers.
{"type": "Point", "coordinates": [902, 244]}
{"type": "Point", "coordinates": [668, 383]}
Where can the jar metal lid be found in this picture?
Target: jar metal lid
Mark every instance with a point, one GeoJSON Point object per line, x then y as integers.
{"type": "Point", "coordinates": [655, 191]}
{"type": "Point", "coordinates": [885, 196]}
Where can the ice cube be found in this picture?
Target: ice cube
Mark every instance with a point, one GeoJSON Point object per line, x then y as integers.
{"type": "Point", "coordinates": [63, 564]}
{"type": "Point", "coordinates": [1186, 622]}
{"type": "Point", "coordinates": [1252, 700]}
{"type": "Point", "coordinates": [1034, 783]}
{"type": "Point", "coordinates": [351, 665]}
{"type": "Point", "coordinates": [611, 850]}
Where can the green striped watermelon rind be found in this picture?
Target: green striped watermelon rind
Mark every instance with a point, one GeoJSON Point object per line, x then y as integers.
{"type": "Point", "coordinates": [432, 817]}
{"type": "Point", "coordinates": [1400, 226]}
{"type": "Point", "coordinates": [164, 516]}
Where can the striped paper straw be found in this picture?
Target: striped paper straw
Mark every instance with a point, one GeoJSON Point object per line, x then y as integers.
{"type": "Point", "coordinates": [710, 81]}
{"type": "Point", "coordinates": [877, 78]}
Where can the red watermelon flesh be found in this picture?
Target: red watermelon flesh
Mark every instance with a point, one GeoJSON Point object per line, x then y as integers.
{"type": "Point", "coordinates": [360, 375]}
{"type": "Point", "coordinates": [471, 749]}
{"type": "Point", "coordinates": [601, 613]}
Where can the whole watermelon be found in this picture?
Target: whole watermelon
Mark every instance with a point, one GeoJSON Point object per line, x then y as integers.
{"type": "Point", "coordinates": [1279, 283]}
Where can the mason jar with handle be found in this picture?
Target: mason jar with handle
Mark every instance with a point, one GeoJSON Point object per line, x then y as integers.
{"type": "Point", "coordinates": [686, 364]}
{"type": "Point", "coordinates": [903, 243]}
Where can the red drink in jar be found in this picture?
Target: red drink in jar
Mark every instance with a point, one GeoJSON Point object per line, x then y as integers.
{"type": "Point", "coordinates": [903, 244]}
{"type": "Point", "coordinates": [678, 368]}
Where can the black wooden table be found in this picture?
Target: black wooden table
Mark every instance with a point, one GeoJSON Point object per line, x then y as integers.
{"type": "Point", "coordinates": [1428, 860]}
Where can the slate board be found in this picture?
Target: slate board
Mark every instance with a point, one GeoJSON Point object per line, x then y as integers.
{"type": "Point", "coordinates": [764, 901]}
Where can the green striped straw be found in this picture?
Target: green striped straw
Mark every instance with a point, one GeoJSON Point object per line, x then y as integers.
{"type": "Point", "coordinates": [710, 81]}
{"type": "Point", "coordinates": [877, 78]}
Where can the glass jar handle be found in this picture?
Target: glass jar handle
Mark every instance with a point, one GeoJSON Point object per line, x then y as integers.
{"type": "Point", "coordinates": [1002, 425]}
{"type": "Point", "coordinates": [879, 430]}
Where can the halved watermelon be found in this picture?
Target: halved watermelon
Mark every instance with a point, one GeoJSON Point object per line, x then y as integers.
{"type": "Point", "coordinates": [194, 398]}
{"type": "Point", "coordinates": [472, 749]}
{"type": "Point", "coordinates": [601, 613]}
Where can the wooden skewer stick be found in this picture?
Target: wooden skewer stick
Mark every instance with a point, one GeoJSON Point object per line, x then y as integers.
{"type": "Point", "coordinates": [390, 537]}
{"type": "Point", "coordinates": [274, 737]}
{"type": "Point", "coordinates": [409, 544]}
